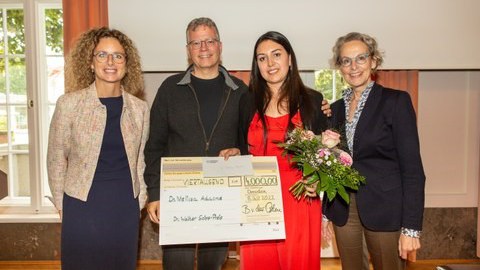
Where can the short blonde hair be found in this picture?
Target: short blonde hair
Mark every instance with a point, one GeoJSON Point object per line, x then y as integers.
{"type": "Point", "coordinates": [366, 39]}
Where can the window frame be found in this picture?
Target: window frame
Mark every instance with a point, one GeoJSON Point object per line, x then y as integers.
{"type": "Point", "coordinates": [35, 208]}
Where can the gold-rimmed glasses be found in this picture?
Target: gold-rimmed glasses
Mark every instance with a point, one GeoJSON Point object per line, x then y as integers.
{"type": "Point", "coordinates": [102, 57]}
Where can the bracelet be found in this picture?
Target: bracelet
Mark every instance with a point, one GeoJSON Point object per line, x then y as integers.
{"type": "Point", "coordinates": [411, 232]}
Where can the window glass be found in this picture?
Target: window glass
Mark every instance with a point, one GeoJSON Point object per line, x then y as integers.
{"type": "Point", "coordinates": [15, 31]}
{"type": "Point", "coordinates": [16, 80]}
{"type": "Point", "coordinates": [2, 43]}
{"type": "Point", "coordinates": [3, 89]}
{"type": "Point", "coordinates": [19, 128]}
{"type": "Point", "coordinates": [330, 83]}
{"type": "Point", "coordinates": [54, 31]}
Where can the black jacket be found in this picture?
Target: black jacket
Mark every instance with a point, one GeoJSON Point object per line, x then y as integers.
{"type": "Point", "coordinates": [385, 151]}
{"type": "Point", "coordinates": [247, 111]}
{"type": "Point", "coordinates": [177, 131]}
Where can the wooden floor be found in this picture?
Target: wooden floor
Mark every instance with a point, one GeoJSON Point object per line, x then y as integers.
{"type": "Point", "coordinates": [231, 264]}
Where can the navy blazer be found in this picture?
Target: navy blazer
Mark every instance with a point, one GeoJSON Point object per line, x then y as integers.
{"type": "Point", "coordinates": [386, 151]}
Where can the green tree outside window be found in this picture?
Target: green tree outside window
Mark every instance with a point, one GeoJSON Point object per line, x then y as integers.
{"type": "Point", "coordinates": [330, 83]}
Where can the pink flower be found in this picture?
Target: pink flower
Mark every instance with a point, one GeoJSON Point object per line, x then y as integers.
{"type": "Point", "coordinates": [345, 159]}
{"type": "Point", "coordinates": [330, 138]}
{"type": "Point", "coordinates": [323, 152]}
{"type": "Point", "coordinates": [307, 135]}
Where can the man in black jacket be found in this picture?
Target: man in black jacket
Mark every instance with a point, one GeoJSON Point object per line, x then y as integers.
{"type": "Point", "coordinates": [194, 113]}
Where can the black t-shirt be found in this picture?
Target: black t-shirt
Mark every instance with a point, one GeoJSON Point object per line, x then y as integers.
{"type": "Point", "coordinates": [209, 94]}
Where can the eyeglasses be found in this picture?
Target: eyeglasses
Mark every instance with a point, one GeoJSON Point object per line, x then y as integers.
{"type": "Point", "coordinates": [359, 59]}
{"type": "Point", "coordinates": [197, 44]}
{"type": "Point", "coordinates": [118, 58]}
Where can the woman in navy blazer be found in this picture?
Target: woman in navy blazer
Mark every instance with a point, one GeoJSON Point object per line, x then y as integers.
{"type": "Point", "coordinates": [379, 128]}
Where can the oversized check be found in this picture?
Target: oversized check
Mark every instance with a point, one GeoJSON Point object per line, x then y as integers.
{"type": "Point", "coordinates": [207, 199]}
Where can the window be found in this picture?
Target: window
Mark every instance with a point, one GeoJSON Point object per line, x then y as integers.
{"type": "Point", "coordinates": [31, 79]}
{"type": "Point", "coordinates": [13, 102]}
{"type": "Point", "coordinates": [330, 83]}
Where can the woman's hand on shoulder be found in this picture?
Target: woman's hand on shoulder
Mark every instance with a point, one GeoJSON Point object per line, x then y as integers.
{"type": "Point", "coordinates": [326, 108]}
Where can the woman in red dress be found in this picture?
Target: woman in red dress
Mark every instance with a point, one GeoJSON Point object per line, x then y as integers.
{"type": "Point", "coordinates": [277, 102]}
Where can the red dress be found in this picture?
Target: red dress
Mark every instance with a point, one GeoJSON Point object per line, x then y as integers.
{"type": "Point", "coordinates": [301, 248]}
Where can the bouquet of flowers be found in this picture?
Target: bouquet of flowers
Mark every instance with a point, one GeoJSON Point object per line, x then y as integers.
{"type": "Point", "coordinates": [323, 164]}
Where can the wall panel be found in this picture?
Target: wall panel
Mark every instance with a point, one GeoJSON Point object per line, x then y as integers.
{"type": "Point", "coordinates": [425, 34]}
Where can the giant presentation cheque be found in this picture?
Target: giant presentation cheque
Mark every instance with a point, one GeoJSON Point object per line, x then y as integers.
{"type": "Point", "coordinates": [208, 199]}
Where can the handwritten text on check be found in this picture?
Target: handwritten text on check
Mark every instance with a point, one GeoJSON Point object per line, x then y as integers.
{"type": "Point", "coordinates": [226, 207]}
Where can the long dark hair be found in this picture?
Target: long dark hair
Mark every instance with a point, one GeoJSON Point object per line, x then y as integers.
{"type": "Point", "coordinates": [292, 90]}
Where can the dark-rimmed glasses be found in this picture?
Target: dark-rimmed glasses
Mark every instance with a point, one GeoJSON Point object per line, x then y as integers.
{"type": "Point", "coordinates": [102, 57]}
{"type": "Point", "coordinates": [359, 59]}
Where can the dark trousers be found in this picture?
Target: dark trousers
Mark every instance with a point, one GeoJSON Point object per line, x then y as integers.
{"type": "Point", "coordinates": [210, 256]}
{"type": "Point", "coordinates": [382, 246]}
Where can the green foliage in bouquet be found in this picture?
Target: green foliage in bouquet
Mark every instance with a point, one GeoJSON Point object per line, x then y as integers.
{"type": "Point", "coordinates": [324, 165]}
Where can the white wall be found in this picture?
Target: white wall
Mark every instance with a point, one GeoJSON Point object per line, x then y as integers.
{"type": "Point", "coordinates": [449, 129]}
{"type": "Point", "coordinates": [415, 34]}
{"type": "Point", "coordinates": [448, 112]}
{"type": "Point", "coordinates": [152, 82]}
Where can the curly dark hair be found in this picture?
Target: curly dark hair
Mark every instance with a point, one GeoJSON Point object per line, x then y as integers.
{"type": "Point", "coordinates": [78, 72]}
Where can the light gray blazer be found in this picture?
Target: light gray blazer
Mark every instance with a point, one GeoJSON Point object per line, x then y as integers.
{"type": "Point", "coordinates": [75, 140]}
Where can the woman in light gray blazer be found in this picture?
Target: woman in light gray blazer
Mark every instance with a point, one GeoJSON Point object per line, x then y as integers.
{"type": "Point", "coordinates": [95, 156]}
